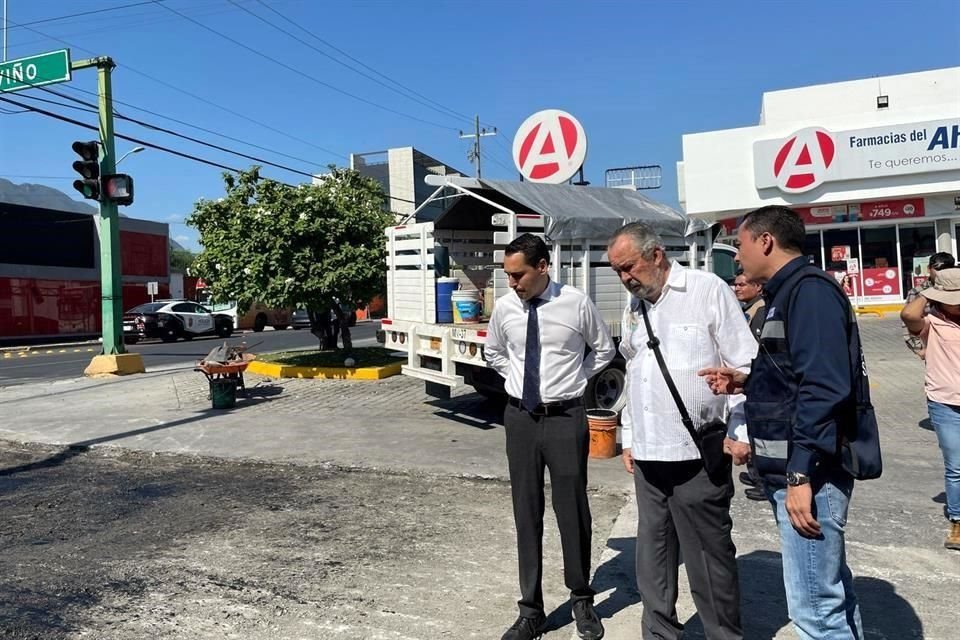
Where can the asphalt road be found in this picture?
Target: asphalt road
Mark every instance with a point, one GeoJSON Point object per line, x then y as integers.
{"type": "Point", "coordinates": [59, 362]}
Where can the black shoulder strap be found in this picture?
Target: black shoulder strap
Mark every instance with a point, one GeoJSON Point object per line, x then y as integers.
{"type": "Point", "coordinates": [653, 343]}
{"type": "Point", "coordinates": [792, 286]}
{"type": "Point", "coordinates": [859, 386]}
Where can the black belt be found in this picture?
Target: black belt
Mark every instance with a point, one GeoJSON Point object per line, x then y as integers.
{"type": "Point", "coordinates": [548, 408]}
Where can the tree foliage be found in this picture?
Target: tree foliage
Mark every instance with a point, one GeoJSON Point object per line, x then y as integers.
{"type": "Point", "coordinates": [181, 259]}
{"type": "Point", "coordinates": [287, 246]}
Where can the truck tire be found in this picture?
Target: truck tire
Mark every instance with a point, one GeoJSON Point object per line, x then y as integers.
{"type": "Point", "coordinates": [608, 389]}
{"type": "Point", "coordinates": [260, 323]}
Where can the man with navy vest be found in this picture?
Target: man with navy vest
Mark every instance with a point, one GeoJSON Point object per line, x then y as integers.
{"type": "Point", "coordinates": [798, 401]}
{"type": "Point", "coordinates": [537, 341]}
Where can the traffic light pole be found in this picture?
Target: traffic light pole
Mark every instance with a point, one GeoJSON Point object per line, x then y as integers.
{"type": "Point", "coordinates": [110, 282]}
{"type": "Point", "coordinates": [111, 285]}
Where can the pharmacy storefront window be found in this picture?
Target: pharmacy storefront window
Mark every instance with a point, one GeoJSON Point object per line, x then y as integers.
{"type": "Point", "coordinates": [916, 241]}
{"type": "Point", "coordinates": [813, 248]}
{"type": "Point", "coordinates": [842, 253]}
{"type": "Point", "coordinates": [880, 265]}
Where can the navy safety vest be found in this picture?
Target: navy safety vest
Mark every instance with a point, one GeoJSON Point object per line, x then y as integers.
{"type": "Point", "coordinates": [772, 391]}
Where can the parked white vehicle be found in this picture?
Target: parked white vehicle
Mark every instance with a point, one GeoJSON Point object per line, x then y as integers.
{"type": "Point", "coordinates": [470, 235]}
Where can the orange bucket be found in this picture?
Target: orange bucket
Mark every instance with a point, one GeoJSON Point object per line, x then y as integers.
{"type": "Point", "coordinates": [603, 432]}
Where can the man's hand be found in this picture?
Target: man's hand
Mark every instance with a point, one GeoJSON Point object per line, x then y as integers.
{"type": "Point", "coordinates": [627, 460]}
{"type": "Point", "coordinates": [739, 451]}
{"type": "Point", "coordinates": [799, 504]}
{"type": "Point", "coordinates": [724, 380]}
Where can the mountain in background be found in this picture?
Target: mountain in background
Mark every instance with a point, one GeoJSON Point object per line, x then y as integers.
{"type": "Point", "coordinates": [43, 197]}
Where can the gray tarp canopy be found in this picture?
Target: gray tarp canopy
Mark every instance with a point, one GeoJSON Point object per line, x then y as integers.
{"type": "Point", "coordinates": [574, 212]}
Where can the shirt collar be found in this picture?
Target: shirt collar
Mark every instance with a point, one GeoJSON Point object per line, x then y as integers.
{"type": "Point", "coordinates": [677, 279]}
{"type": "Point", "coordinates": [773, 284]}
{"type": "Point", "coordinates": [551, 292]}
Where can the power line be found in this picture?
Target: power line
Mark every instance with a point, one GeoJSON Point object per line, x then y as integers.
{"type": "Point", "coordinates": [152, 145]}
{"type": "Point", "coordinates": [442, 110]}
{"type": "Point", "coordinates": [195, 97]}
{"type": "Point", "coordinates": [364, 65]}
{"type": "Point", "coordinates": [188, 124]}
{"type": "Point", "coordinates": [87, 13]}
{"type": "Point", "coordinates": [12, 175]}
{"type": "Point", "coordinates": [91, 108]}
{"type": "Point", "coordinates": [114, 24]}
{"type": "Point", "coordinates": [300, 72]}
{"type": "Point", "coordinates": [78, 123]}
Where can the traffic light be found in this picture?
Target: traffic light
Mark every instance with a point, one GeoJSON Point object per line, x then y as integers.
{"type": "Point", "coordinates": [88, 168]}
{"type": "Point", "coordinates": [118, 188]}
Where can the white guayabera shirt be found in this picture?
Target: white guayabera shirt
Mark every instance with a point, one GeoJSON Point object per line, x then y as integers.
{"type": "Point", "coordinates": [699, 324]}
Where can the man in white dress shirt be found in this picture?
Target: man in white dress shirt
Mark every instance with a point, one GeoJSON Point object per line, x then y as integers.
{"type": "Point", "coordinates": [698, 321]}
{"type": "Point", "coordinates": [537, 341]}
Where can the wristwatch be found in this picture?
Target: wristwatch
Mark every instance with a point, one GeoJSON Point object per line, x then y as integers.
{"type": "Point", "coordinates": [795, 478]}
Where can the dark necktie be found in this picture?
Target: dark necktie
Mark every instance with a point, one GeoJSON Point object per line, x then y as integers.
{"type": "Point", "coordinates": [531, 359]}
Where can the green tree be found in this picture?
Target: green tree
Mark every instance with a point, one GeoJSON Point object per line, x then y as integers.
{"type": "Point", "coordinates": [181, 259]}
{"type": "Point", "coordinates": [307, 246]}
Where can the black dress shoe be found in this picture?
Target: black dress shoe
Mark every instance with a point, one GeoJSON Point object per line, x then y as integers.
{"type": "Point", "coordinates": [526, 628]}
{"type": "Point", "coordinates": [588, 622]}
{"type": "Point", "coordinates": [747, 479]}
{"type": "Point", "coordinates": [755, 493]}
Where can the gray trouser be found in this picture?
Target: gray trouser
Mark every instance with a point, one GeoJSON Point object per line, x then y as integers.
{"type": "Point", "coordinates": [682, 511]}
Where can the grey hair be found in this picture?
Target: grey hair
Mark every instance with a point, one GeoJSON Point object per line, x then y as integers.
{"type": "Point", "coordinates": [644, 238]}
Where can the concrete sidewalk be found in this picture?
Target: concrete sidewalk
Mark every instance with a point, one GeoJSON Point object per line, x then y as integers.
{"type": "Point", "coordinates": [906, 580]}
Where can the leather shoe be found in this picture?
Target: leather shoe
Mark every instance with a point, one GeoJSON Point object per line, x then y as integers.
{"type": "Point", "coordinates": [588, 622]}
{"type": "Point", "coordinates": [526, 628]}
{"type": "Point", "coordinates": [747, 479]}
{"type": "Point", "coordinates": [755, 493]}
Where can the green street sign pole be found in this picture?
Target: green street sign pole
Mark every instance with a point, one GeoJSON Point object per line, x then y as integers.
{"type": "Point", "coordinates": [111, 285]}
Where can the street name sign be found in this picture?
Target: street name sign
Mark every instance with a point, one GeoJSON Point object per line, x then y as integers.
{"type": "Point", "coordinates": [35, 71]}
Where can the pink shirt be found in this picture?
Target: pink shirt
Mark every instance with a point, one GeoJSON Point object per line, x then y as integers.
{"type": "Point", "coordinates": [941, 338]}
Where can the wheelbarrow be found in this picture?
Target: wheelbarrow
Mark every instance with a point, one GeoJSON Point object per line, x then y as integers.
{"type": "Point", "coordinates": [224, 379]}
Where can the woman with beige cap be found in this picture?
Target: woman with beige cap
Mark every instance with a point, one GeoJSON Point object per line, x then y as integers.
{"type": "Point", "coordinates": [940, 332]}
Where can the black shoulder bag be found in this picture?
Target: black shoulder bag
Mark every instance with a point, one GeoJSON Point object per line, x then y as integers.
{"type": "Point", "coordinates": [709, 439]}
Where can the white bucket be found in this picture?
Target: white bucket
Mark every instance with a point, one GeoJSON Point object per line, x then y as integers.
{"type": "Point", "coordinates": [466, 307]}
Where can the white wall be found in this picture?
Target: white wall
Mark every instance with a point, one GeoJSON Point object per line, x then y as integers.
{"type": "Point", "coordinates": [716, 176]}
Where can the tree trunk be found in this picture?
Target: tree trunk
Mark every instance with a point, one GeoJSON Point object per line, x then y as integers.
{"type": "Point", "coordinates": [320, 327]}
{"type": "Point", "coordinates": [344, 324]}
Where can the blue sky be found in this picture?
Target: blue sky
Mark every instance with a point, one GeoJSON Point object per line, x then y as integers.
{"type": "Point", "coordinates": [637, 75]}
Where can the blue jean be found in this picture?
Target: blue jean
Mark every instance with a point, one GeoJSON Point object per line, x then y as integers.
{"type": "Point", "coordinates": [820, 598]}
{"type": "Point", "coordinates": [946, 422]}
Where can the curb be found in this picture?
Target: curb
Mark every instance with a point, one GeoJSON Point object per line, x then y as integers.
{"type": "Point", "coordinates": [327, 373]}
{"type": "Point", "coordinates": [41, 347]}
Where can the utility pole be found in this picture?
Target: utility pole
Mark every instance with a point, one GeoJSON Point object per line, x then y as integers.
{"type": "Point", "coordinates": [478, 133]}
{"type": "Point", "coordinates": [4, 30]}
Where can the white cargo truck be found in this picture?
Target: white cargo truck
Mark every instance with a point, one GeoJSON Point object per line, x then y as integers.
{"type": "Point", "coordinates": [467, 241]}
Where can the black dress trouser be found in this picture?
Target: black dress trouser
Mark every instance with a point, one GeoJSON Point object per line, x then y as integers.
{"type": "Point", "coordinates": [683, 513]}
{"type": "Point", "coordinates": [560, 443]}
